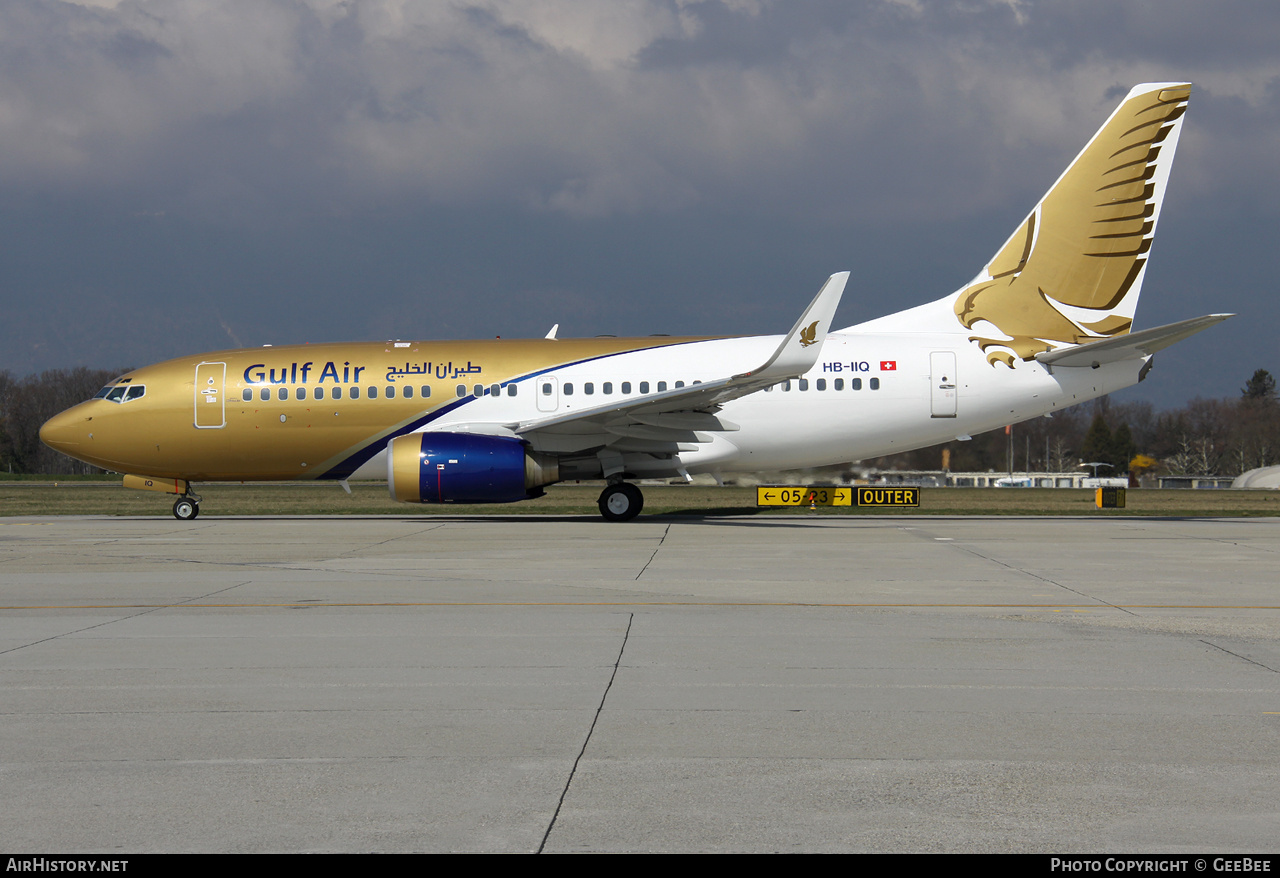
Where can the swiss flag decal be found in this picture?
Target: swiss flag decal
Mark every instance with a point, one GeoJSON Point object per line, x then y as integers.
{"type": "Point", "coordinates": [888, 365]}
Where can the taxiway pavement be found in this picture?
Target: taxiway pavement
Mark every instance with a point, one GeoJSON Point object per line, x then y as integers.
{"type": "Point", "coordinates": [672, 684]}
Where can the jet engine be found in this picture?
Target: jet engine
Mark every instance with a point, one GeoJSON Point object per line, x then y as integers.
{"type": "Point", "coordinates": [465, 468]}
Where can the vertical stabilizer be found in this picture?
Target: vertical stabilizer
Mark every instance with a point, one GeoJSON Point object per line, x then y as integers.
{"type": "Point", "coordinates": [1073, 270]}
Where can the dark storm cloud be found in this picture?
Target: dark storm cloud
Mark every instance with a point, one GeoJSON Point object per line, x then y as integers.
{"type": "Point", "coordinates": [198, 171]}
{"type": "Point", "coordinates": [591, 109]}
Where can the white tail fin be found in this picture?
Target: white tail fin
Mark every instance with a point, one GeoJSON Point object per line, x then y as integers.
{"type": "Point", "coordinates": [1073, 270]}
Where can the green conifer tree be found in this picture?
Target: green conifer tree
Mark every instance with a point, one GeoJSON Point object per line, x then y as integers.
{"type": "Point", "coordinates": [1261, 386]}
{"type": "Point", "coordinates": [1097, 444]}
{"type": "Point", "coordinates": [1122, 449]}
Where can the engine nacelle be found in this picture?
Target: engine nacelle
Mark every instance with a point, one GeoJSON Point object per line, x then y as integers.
{"type": "Point", "coordinates": [465, 468]}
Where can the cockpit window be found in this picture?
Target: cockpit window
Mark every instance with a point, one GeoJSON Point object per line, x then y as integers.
{"type": "Point", "coordinates": [122, 392]}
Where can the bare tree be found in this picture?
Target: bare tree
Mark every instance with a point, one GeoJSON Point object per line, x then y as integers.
{"type": "Point", "coordinates": [26, 404]}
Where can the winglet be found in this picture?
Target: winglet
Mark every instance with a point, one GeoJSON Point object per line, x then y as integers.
{"type": "Point", "coordinates": [796, 355]}
{"type": "Point", "coordinates": [803, 344]}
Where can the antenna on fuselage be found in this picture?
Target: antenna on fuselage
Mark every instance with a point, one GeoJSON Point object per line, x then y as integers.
{"type": "Point", "coordinates": [552, 334]}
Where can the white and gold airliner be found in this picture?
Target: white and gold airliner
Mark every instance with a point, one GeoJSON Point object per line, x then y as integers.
{"type": "Point", "coordinates": [1045, 325]}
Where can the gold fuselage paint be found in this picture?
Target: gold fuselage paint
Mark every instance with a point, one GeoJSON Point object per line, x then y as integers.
{"type": "Point", "coordinates": [176, 431]}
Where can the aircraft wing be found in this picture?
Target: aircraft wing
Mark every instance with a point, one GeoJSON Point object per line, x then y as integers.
{"type": "Point", "coordinates": [1135, 345]}
{"type": "Point", "coordinates": [676, 415]}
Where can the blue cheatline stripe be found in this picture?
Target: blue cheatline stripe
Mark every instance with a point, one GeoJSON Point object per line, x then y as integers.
{"type": "Point", "coordinates": [369, 451]}
{"type": "Point", "coordinates": [365, 454]}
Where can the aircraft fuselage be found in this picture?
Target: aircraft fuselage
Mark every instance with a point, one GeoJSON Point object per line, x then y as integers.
{"type": "Point", "coordinates": [327, 411]}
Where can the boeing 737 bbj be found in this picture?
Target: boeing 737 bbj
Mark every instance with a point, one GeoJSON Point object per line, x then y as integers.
{"type": "Point", "coordinates": [1045, 325]}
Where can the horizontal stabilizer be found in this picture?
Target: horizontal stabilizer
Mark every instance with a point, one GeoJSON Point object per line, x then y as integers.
{"type": "Point", "coordinates": [1135, 345]}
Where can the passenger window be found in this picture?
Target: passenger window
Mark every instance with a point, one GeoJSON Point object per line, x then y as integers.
{"type": "Point", "coordinates": [769, 389]}
{"type": "Point", "coordinates": [264, 394]}
{"type": "Point", "coordinates": [821, 384]}
{"type": "Point", "coordinates": [855, 383]}
{"type": "Point", "coordinates": [300, 393]}
{"type": "Point", "coordinates": [426, 391]}
{"type": "Point", "coordinates": [390, 391]}
{"type": "Point", "coordinates": [568, 388]}
{"type": "Point", "coordinates": [355, 392]}
{"type": "Point", "coordinates": [874, 383]}
{"type": "Point", "coordinates": [247, 394]}
{"type": "Point", "coordinates": [282, 393]}
{"type": "Point", "coordinates": [786, 385]}
{"type": "Point", "coordinates": [546, 389]}
{"type": "Point", "coordinates": [462, 391]}
{"type": "Point", "coordinates": [662, 385]}
{"type": "Point", "coordinates": [679, 384]}
{"type": "Point", "coordinates": [607, 388]}
{"type": "Point", "coordinates": [644, 386]}
{"type": "Point", "coordinates": [495, 390]}
{"type": "Point", "coordinates": [318, 393]}
{"type": "Point", "coordinates": [839, 384]}
{"type": "Point", "coordinates": [478, 390]}
{"type": "Point", "coordinates": [511, 390]}
{"type": "Point", "coordinates": [373, 392]}
{"type": "Point", "coordinates": [589, 388]}
{"type": "Point", "coordinates": [337, 393]}
{"type": "Point", "coordinates": [626, 386]}
{"type": "Point", "coordinates": [804, 383]}
{"type": "Point", "coordinates": [407, 391]}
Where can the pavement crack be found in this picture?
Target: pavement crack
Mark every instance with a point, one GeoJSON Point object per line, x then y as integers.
{"type": "Point", "coordinates": [631, 617]}
{"type": "Point", "coordinates": [1045, 580]}
{"type": "Point", "coordinates": [376, 545]}
{"type": "Point", "coordinates": [655, 552]}
{"type": "Point", "coordinates": [1239, 656]}
{"type": "Point", "coordinates": [154, 609]}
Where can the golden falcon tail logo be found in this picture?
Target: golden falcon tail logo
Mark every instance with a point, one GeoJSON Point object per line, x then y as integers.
{"type": "Point", "coordinates": [808, 334]}
{"type": "Point", "coordinates": [1063, 276]}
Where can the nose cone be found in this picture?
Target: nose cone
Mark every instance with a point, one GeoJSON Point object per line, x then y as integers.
{"type": "Point", "coordinates": [65, 431]}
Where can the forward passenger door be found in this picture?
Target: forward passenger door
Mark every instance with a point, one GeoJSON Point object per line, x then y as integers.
{"type": "Point", "coordinates": [210, 404]}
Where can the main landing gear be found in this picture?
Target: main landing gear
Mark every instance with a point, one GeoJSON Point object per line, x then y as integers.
{"type": "Point", "coordinates": [186, 507]}
{"type": "Point", "coordinates": [620, 502]}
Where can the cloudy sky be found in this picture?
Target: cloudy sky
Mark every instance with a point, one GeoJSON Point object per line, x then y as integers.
{"type": "Point", "coordinates": [179, 176]}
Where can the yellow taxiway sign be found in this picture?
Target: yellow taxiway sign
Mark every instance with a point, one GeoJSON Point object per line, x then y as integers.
{"type": "Point", "coordinates": [800, 495]}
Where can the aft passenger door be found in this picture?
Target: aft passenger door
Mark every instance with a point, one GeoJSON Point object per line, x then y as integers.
{"type": "Point", "coordinates": [942, 381]}
{"type": "Point", "coordinates": [210, 405]}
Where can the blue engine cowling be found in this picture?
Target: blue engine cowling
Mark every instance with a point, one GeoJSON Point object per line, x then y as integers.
{"type": "Point", "coordinates": [463, 468]}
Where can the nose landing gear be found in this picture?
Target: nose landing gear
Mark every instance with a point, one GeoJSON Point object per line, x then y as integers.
{"type": "Point", "coordinates": [620, 501]}
{"type": "Point", "coordinates": [186, 507]}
